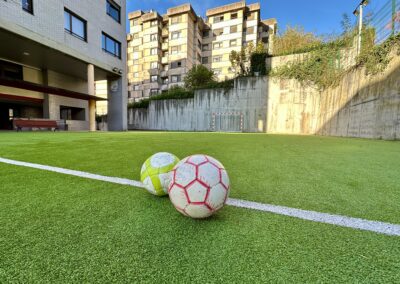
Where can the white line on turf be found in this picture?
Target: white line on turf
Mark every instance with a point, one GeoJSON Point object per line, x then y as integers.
{"type": "Point", "coordinates": [339, 220]}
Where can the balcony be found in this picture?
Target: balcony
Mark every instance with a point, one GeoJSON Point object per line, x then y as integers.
{"type": "Point", "coordinates": [164, 60]}
{"type": "Point", "coordinates": [164, 73]}
{"type": "Point", "coordinates": [164, 33]}
{"type": "Point", "coordinates": [164, 46]}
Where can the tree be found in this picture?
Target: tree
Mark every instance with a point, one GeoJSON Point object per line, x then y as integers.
{"type": "Point", "coordinates": [260, 47]}
{"type": "Point", "coordinates": [295, 40]}
{"type": "Point", "coordinates": [346, 24]}
{"type": "Point", "coordinates": [199, 76]}
{"type": "Point", "coordinates": [240, 60]}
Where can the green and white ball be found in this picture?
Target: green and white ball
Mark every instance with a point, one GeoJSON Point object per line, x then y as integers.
{"type": "Point", "coordinates": [155, 173]}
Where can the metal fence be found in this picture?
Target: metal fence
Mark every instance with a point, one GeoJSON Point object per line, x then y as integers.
{"type": "Point", "coordinates": [384, 17]}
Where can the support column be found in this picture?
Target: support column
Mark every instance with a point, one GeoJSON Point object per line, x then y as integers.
{"type": "Point", "coordinates": [117, 104]}
{"type": "Point", "coordinates": [46, 98]}
{"type": "Point", "coordinates": [92, 103]}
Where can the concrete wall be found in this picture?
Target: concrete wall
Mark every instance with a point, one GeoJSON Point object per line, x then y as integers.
{"type": "Point", "coordinates": [242, 108]}
{"type": "Point", "coordinates": [360, 106]}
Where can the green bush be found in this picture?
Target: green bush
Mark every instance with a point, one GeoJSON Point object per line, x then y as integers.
{"type": "Point", "coordinates": [198, 77]}
{"type": "Point", "coordinates": [140, 104]}
{"type": "Point", "coordinates": [174, 93]}
{"type": "Point", "coordinates": [377, 58]}
{"type": "Point", "coordinates": [227, 84]}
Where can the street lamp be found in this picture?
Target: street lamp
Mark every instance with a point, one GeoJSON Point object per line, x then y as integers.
{"type": "Point", "coordinates": [359, 12]}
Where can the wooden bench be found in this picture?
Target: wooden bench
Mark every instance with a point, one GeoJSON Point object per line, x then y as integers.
{"type": "Point", "coordinates": [35, 123]}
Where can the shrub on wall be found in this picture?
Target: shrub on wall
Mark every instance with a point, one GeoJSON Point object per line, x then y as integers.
{"type": "Point", "coordinates": [227, 84]}
{"type": "Point", "coordinates": [376, 58]}
{"type": "Point", "coordinates": [174, 93]}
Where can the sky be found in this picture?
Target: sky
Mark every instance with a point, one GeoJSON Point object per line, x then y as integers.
{"type": "Point", "coordinates": [322, 17]}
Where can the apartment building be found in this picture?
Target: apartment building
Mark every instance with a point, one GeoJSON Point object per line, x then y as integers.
{"type": "Point", "coordinates": [162, 48]}
{"type": "Point", "coordinates": [51, 54]}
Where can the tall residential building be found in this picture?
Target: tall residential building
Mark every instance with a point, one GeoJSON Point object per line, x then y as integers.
{"type": "Point", "coordinates": [51, 54]}
{"type": "Point", "coordinates": [162, 49]}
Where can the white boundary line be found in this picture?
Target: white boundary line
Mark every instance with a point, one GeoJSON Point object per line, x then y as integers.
{"type": "Point", "coordinates": [338, 220]}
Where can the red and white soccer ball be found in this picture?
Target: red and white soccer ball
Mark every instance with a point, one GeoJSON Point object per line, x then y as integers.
{"type": "Point", "coordinates": [199, 186]}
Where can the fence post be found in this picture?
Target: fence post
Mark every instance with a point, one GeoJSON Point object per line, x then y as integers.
{"type": "Point", "coordinates": [393, 17]}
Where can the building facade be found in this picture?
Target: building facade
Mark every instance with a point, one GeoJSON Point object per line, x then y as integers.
{"type": "Point", "coordinates": [162, 49]}
{"type": "Point", "coordinates": [51, 54]}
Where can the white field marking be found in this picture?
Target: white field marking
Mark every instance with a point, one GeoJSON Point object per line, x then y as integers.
{"type": "Point", "coordinates": [338, 220]}
{"type": "Point", "coordinates": [74, 173]}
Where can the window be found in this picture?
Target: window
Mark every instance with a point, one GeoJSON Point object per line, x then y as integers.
{"type": "Point", "coordinates": [135, 22]}
{"type": "Point", "coordinates": [27, 6]}
{"type": "Point", "coordinates": [252, 16]}
{"type": "Point", "coordinates": [154, 51]}
{"type": "Point", "coordinates": [74, 24]}
{"type": "Point", "coordinates": [233, 42]}
{"type": "Point", "coordinates": [154, 78]}
{"type": "Point", "coordinates": [175, 49]}
{"type": "Point", "coordinates": [154, 65]}
{"type": "Point", "coordinates": [153, 37]}
{"type": "Point", "coordinates": [234, 16]}
{"type": "Point", "coordinates": [217, 58]}
{"type": "Point", "coordinates": [136, 35]}
{"type": "Point", "coordinates": [204, 60]}
{"type": "Point", "coordinates": [234, 29]}
{"type": "Point", "coordinates": [153, 23]}
{"type": "Point", "coordinates": [114, 11]}
{"type": "Point", "coordinates": [250, 30]}
{"type": "Point", "coordinates": [219, 32]}
{"type": "Point", "coordinates": [72, 113]}
{"type": "Point", "coordinates": [136, 75]}
{"type": "Point", "coordinates": [206, 33]}
{"type": "Point", "coordinates": [218, 19]}
{"type": "Point", "coordinates": [205, 47]}
{"type": "Point", "coordinates": [135, 48]}
{"type": "Point", "coordinates": [175, 35]}
{"type": "Point", "coordinates": [153, 92]}
{"type": "Point", "coordinates": [176, 20]}
{"type": "Point", "coordinates": [10, 70]}
{"type": "Point", "coordinates": [176, 64]}
{"type": "Point", "coordinates": [217, 45]}
{"type": "Point", "coordinates": [175, 78]}
{"type": "Point", "coordinates": [165, 81]}
{"type": "Point", "coordinates": [111, 46]}
{"type": "Point", "coordinates": [136, 87]}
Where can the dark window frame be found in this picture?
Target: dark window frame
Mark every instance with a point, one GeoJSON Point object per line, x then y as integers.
{"type": "Point", "coordinates": [70, 31]}
{"type": "Point", "coordinates": [30, 6]}
{"type": "Point", "coordinates": [115, 6]}
{"type": "Point", "coordinates": [11, 70]}
{"type": "Point", "coordinates": [178, 78]}
{"type": "Point", "coordinates": [104, 46]}
{"type": "Point", "coordinates": [72, 113]}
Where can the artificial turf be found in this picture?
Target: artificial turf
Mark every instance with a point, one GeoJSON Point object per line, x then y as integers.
{"type": "Point", "coordinates": [59, 228]}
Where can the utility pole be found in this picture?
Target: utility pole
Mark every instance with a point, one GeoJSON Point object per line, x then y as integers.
{"type": "Point", "coordinates": [359, 12]}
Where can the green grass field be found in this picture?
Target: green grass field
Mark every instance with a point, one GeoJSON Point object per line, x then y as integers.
{"type": "Point", "coordinates": [58, 228]}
